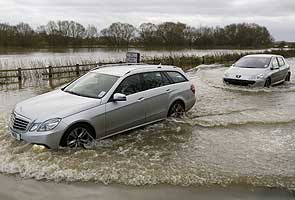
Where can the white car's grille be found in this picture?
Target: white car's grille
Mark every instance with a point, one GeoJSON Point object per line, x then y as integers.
{"type": "Point", "coordinates": [18, 123]}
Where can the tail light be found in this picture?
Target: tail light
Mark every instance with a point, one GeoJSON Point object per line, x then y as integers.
{"type": "Point", "coordinates": [193, 88]}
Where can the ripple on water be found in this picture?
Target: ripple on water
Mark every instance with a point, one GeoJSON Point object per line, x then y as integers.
{"type": "Point", "coordinates": [230, 136]}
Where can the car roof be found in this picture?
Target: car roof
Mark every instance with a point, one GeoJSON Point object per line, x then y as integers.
{"type": "Point", "coordinates": [263, 55]}
{"type": "Point", "coordinates": [121, 70]}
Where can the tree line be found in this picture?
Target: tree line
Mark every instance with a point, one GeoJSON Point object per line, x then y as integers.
{"type": "Point", "coordinates": [167, 34]}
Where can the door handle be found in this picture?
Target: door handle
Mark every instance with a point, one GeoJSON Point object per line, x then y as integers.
{"type": "Point", "coordinates": [168, 90]}
{"type": "Point", "coordinates": [140, 99]}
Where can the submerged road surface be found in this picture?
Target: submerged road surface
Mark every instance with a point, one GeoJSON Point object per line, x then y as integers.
{"type": "Point", "coordinates": [232, 136]}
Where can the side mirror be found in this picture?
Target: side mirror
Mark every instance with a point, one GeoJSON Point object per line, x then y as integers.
{"type": "Point", "coordinates": [119, 97]}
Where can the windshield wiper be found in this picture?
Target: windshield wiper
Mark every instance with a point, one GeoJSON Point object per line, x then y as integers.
{"type": "Point", "coordinates": [246, 67]}
{"type": "Point", "coordinates": [81, 95]}
{"type": "Point", "coordinates": [71, 92]}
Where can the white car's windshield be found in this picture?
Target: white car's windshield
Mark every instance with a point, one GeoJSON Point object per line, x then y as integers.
{"type": "Point", "coordinates": [93, 84]}
{"type": "Point", "coordinates": [253, 62]}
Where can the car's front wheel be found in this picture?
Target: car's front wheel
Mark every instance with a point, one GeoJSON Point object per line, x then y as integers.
{"type": "Point", "coordinates": [78, 136]}
{"type": "Point", "coordinates": [176, 110]}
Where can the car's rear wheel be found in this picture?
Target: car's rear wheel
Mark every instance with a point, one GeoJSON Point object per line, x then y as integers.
{"type": "Point", "coordinates": [78, 136]}
{"type": "Point", "coordinates": [176, 109]}
{"type": "Point", "coordinates": [267, 82]}
{"type": "Point", "coordinates": [288, 77]}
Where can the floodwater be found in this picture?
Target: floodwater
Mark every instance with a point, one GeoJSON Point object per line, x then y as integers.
{"type": "Point", "coordinates": [14, 58]}
{"type": "Point", "coordinates": [232, 136]}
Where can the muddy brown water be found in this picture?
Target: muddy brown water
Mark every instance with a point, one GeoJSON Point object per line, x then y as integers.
{"type": "Point", "coordinates": [233, 135]}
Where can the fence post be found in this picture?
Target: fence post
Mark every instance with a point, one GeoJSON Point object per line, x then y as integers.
{"type": "Point", "coordinates": [49, 72]}
{"type": "Point", "coordinates": [203, 59]}
{"type": "Point", "coordinates": [19, 74]}
{"type": "Point", "coordinates": [19, 77]}
{"type": "Point", "coordinates": [50, 76]}
{"type": "Point", "coordinates": [77, 70]}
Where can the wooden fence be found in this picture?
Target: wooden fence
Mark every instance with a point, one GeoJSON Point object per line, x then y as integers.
{"type": "Point", "coordinates": [69, 72]}
{"type": "Point", "coordinates": [50, 73]}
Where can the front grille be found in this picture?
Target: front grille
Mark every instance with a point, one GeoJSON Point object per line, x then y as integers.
{"type": "Point", "coordinates": [18, 123]}
{"type": "Point", "coordinates": [238, 82]}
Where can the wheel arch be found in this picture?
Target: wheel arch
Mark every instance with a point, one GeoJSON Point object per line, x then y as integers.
{"type": "Point", "coordinates": [93, 132]}
{"type": "Point", "coordinates": [174, 101]}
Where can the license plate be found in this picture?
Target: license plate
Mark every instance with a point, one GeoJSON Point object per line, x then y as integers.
{"type": "Point", "coordinates": [16, 135]}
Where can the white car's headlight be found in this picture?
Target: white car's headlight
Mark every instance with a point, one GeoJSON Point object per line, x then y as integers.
{"type": "Point", "coordinates": [260, 76]}
{"type": "Point", "coordinates": [49, 124]}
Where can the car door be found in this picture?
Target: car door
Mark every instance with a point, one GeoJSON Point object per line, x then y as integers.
{"type": "Point", "coordinates": [283, 68]}
{"type": "Point", "coordinates": [122, 115]}
{"type": "Point", "coordinates": [156, 86]}
{"type": "Point", "coordinates": [275, 75]}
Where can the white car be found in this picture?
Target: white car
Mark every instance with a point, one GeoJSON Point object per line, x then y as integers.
{"type": "Point", "coordinates": [261, 70]}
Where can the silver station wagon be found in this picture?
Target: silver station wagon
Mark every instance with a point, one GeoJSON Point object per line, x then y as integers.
{"type": "Point", "coordinates": [262, 70]}
{"type": "Point", "coordinates": [104, 102]}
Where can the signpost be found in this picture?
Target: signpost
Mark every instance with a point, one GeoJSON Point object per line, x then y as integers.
{"type": "Point", "coordinates": [133, 57]}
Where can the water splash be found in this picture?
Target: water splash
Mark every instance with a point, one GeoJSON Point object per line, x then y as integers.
{"type": "Point", "coordinates": [231, 136]}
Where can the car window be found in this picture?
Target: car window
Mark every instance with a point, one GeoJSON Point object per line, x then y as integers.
{"type": "Point", "coordinates": [166, 80]}
{"type": "Point", "coordinates": [253, 62]}
{"type": "Point", "coordinates": [130, 85]}
{"type": "Point", "coordinates": [281, 62]}
{"type": "Point", "coordinates": [176, 77]}
{"type": "Point", "coordinates": [154, 79]}
{"type": "Point", "coordinates": [275, 63]}
{"type": "Point", "coordinates": [92, 84]}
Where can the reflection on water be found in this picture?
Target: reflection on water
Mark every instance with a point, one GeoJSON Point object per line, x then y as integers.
{"type": "Point", "coordinates": [15, 58]}
{"type": "Point", "coordinates": [232, 135]}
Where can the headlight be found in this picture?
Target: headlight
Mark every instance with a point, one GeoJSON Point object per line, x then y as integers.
{"type": "Point", "coordinates": [260, 76]}
{"type": "Point", "coordinates": [49, 124]}
{"type": "Point", "coordinates": [34, 127]}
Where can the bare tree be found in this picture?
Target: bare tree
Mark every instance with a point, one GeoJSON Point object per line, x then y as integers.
{"type": "Point", "coordinates": [190, 35]}
{"type": "Point", "coordinates": [119, 33]}
{"type": "Point", "coordinates": [51, 28]}
{"type": "Point", "coordinates": [91, 32]}
{"type": "Point", "coordinates": [76, 30]}
{"type": "Point", "coordinates": [148, 33]}
{"type": "Point", "coordinates": [171, 33]}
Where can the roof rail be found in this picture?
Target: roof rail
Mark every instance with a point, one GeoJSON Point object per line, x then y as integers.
{"type": "Point", "coordinates": [116, 64]}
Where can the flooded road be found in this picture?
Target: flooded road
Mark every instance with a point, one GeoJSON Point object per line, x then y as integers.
{"type": "Point", "coordinates": [232, 136]}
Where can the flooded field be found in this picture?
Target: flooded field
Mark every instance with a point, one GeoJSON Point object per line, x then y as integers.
{"type": "Point", "coordinates": [14, 58]}
{"type": "Point", "coordinates": [233, 135]}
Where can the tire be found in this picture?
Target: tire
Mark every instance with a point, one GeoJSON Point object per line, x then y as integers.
{"type": "Point", "coordinates": [78, 136]}
{"type": "Point", "coordinates": [176, 109]}
{"type": "Point", "coordinates": [267, 83]}
{"type": "Point", "coordinates": [288, 77]}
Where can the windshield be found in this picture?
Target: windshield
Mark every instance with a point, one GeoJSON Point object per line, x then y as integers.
{"type": "Point", "coordinates": [253, 62]}
{"type": "Point", "coordinates": [93, 84]}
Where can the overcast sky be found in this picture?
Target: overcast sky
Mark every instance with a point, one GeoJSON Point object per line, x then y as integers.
{"type": "Point", "coordinates": [277, 15]}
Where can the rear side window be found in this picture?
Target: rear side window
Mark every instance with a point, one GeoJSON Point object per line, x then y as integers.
{"type": "Point", "coordinates": [130, 85]}
{"type": "Point", "coordinates": [154, 79]}
{"type": "Point", "coordinates": [176, 77]}
{"type": "Point", "coordinates": [281, 62]}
